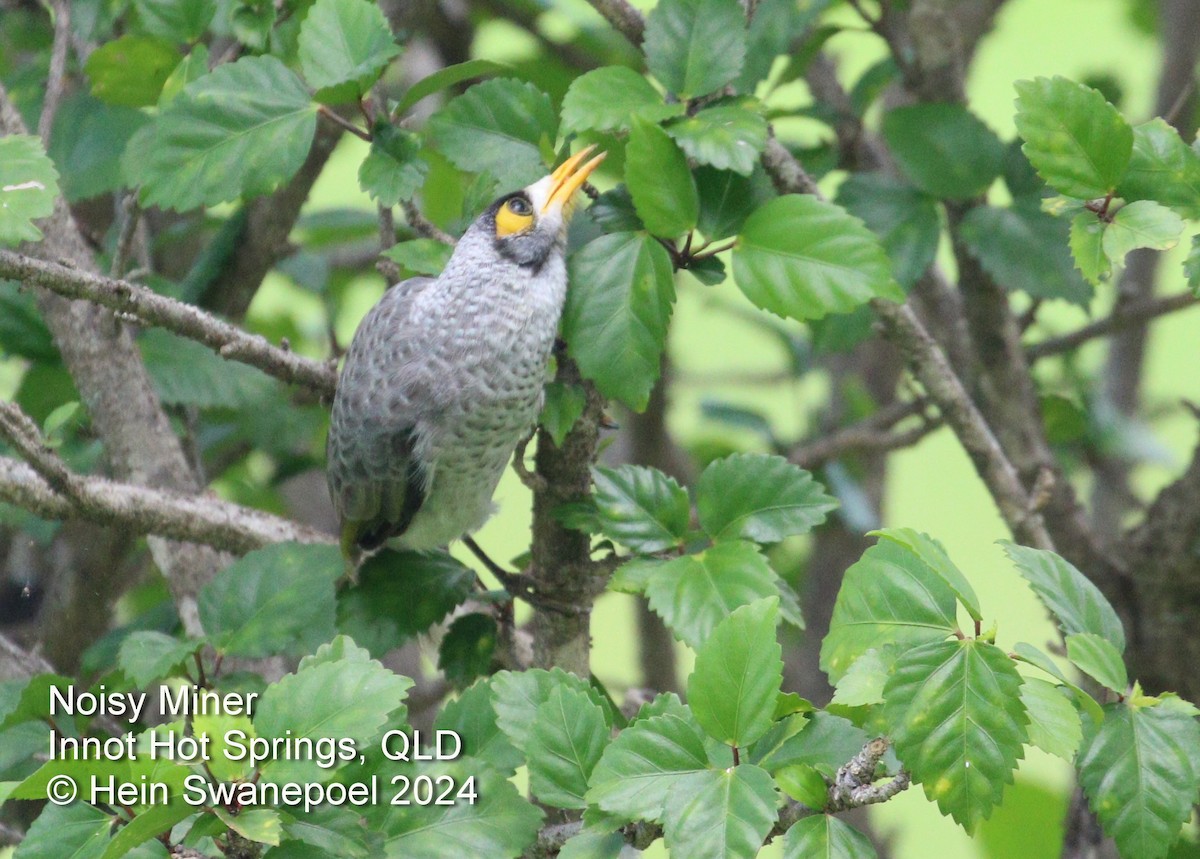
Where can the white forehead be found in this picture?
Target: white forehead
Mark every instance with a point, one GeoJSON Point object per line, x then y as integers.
{"type": "Point", "coordinates": [539, 192]}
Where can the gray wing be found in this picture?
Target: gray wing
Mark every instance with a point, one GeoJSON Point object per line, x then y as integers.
{"type": "Point", "coordinates": [385, 395]}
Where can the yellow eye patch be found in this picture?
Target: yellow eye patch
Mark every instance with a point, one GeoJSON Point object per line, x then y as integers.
{"type": "Point", "coordinates": [515, 216]}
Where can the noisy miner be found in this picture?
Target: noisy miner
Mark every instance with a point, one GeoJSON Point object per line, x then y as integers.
{"type": "Point", "coordinates": [444, 376]}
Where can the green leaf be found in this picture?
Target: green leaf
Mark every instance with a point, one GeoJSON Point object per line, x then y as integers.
{"type": "Point", "coordinates": [613, 212]}
{"type": "Point", "coordinates": [641, 507]}
{"type": "Point", "coordinates": [1096, 657]}
{"type": "Point", "coordinates": [1074, 601]}
{"type": "Point", "coordinates": [730, 135]}
{"type": "Point", "coordinates": [720, 814]}
{"type": "Point", "coordinates": [273, 600]}
{"type": "Point", "coordinates": [695, 46]}
{"type": "Point", "coordinates": [345, 698]}
{"type": "Point", "coordinates": [959, 724]}
{"type": "Point", "coordinates": [1024, 249]}
{"type": "Point", "coordinates": [1054, 724]}
{"type": "Point", "coordinates": [177, 20]}
{"type": "Point", "coordinates": [188, 373]}
{"type": "Point", "coordinates": [149, 824]}
{"type": "Point", "coordinates": [242, 130]}
{"type": "Point", "coordinates": [75, 831]}
{"type": "Point", "coordinates": [130, 71]}
{"type": "Point", "coordinates": [660, 182]}
{"type": "Point", "coordinates": [905, 220]}
{"type": "Point", "coordinates": [1191, 266]}
{"type": "Point", "coordinates": [467, 648]}
{"type": "Point", "coordinates": [499, 825]}
{"type": "Point", "coordinates": [345, 42]}
{"type": "Point", "coordinates": [727, 199]}
{"type": "Point", "coordinates": [562, 408]}
{"type": "Point", "coordinates": [611, 98]}
{"type": "Point", "coordinates": [616, 314]}
{"type": "Point", "coordinates": [863, 683]}
{"type": "Point", "coordinates": [86, 144]}
{"type": "Point", "coordinates": [399, 595]}
{"type": "Point", "coordinates": [802, 258]}
{"type": "Point", "coordinates": [889, 596]}
{"type": "Point", "coordinates": [420, 256]}
{"type": "Point", "coordinates": [497, 127]}
{"type": "Point", "coordinates": [1087, 248]}
{"type": "Point", "coordinates": [694, 593]}
{"type": "Point", "coordinates": [1163, 168]}
{"type": "Point", "coordinates": [1144, 224]}
{"type": "Point", "coordinates": [760, 498]}
{"type": "Point", "coordinates": [593, 844]}
{"type": "Point", "coordinates": [448, 76]}
{"type": "Point", "coordinates": [28, 186]}
{"type": "Point", "coordinates": [565, 743]}
{"type": "Point", "coordinates": [147, 655]}
{"type": "Point", "coordinates": [392, 170]}
{"type": "Point", "coordinates": [805, 784]}
{"type": "Point", "coordinates": [825, 836]}
{"type": "Point", "coordinates": [944, 149]}
{"type": "Point", "coordinates": [257, 824]}
{"type": "Point", "coordinates": [1136, 773]}
{"type": "Point", "coordinates": [516, 696]}
{"type": "Point", "coordinates": [821, 740]}
{"type": "Point", "coordinates": [1078, 142]}
{"type": "Point", "coordinates": [471, 716]}
{"type": "Point", "coordinates": [934, 554]}
{"type": "Point", "coordinates": [738, 673]}
{"type": "Point", "coordinates": [638, 768]}
{"type": "Point", "coordinates": [1027, 653]}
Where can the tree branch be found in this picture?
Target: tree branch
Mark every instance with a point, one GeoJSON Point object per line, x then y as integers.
{"type": "Point", "coordinates": [1122, 317]}
{"type": "Point", "coordinates": [58, 68]}
{"type": "Point", "coordinates": [150, 308]}
{"type": "Point", "coordinates": [623, 17]}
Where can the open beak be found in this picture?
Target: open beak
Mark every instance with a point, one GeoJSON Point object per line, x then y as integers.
{"type": "Point", "coordinates": [568, 177]}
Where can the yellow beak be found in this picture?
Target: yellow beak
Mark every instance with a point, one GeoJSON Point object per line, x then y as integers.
{"type": "Point", "coordinates": [568, 177]}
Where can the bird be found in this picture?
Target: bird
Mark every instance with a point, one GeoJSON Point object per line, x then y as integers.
{"type": "Point", "coordinates": [444, 376]}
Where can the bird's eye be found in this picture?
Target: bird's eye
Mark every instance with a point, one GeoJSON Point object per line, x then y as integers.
{"type": "Point", "coordinates": [515, 216]}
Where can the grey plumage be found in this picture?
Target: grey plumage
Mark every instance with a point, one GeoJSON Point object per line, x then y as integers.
{"type": "Point", "coordinates": [443, 379]}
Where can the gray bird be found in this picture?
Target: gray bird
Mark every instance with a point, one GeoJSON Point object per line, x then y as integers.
{"type": "Point", "coordinates": [444, 376]}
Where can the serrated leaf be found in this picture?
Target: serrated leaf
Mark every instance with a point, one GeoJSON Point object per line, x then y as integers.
{"type": "Point", "coordinates": [660, 182]}
{"type": "Point", "coordinates": [1087, 248]}
{"type": "Point", "coordinates": [148, 655]}
{"type": "Point", "coordinates": [737, 676]}
{"type": "Point", "coordinates": [337, 831]}
{"type": "Point", "coordinates": [499, 825]}
{"type": "Point", "coordinates": [694, 593]}
{"type": "Point", "coordinates": [640, 507]}
{"type": "Point", "coordinates": [863, 683]}
{"type": "Point", "coordinates": [188, 373]}
{"type": "Point", "coordinates": [1027, 653]}
{"type": "Point", "coordinates": [466, 649]}
{"type": "Point", "coordinates": [1143, 224]}
{"type": "Point", "coordinates": [1078, 142]}
{"type": "Point", "coordinates": [445, 77]}
{"type": "Point", "coordinates": [497, 127]}
{"type": "Point", "coordinates": [566, 741]}
{"type": "Point", "coordinates": [257, 824]}
{"type": "Point", "coordinates": [349, 699]}
{"type": "Point", "coordinates": [472, 718]}
{"type": "Point", "coordinates": [1054, 724]}
{"type": "Point", "coordinates": [695, 46]}
{"type": "Point", "coordinates": [617, 312]}
{"type": "Point", "coordinates": [889, 596]}
{"type": "Point", "coordinates": [727, 199]}
{"type": "Point", "coordinates": [1136, 772]}
{"type": "Point", "coordinates": [273, 600]}
{"type": "Point", "coordinates": [1096, 657]}
{"type": "Point", "coordinates": [636, 770]}
{"type": "Point", "coordinates": [177, 20]}
{"type": "Point", "coordinates": [76, 831]}
{"type": "Point", "coordinates": [633, 575]}
{"type": "Point", "coordinates": [821, 740]}
{"type": "Point", "coordinates": [944, 149]}
{"type": "Point", "coordinates": [610, 98]}
{"type": "Point", "coordinates": [825, 836]}
{"type": "Point", "coordinates": [86, 144]}
{"type": "Point", "coordinates": [392, 172]}
{"type": "Point", "coordinates": [613, 212]}
{"type": "Point", "coordinates": [720, 814]}
{"type": "Point", "coordinates": [934, 554]}
{"type": "Point", "coordinates": [905, 220]}
{"type": "Point", "coordinates": [802, 258]}
{"type": "Point", "coordinates": [562, 408]}
{"type": "Point", "coordinates": [345, 42]}
{"type": "Point", "coordinates": [760, 498]}
{"type": "Point", "coordinates": [399, 595]}
{"type": "Point", "coordinates": [729, 135]}
{"type": "Point", "coordinates": [1074, 601]}
{"type": "Point", "coordinates": [516, 696]}
{"type": "Point", "coordinates": [130, 71]}
{"type": "Point", "coordinates": [28, 186]}
{"type": "Point", "coordinates": [1162, 168]}
{"type": "Point", "coordinates": [242, 130]}
{"type": "Point", "coordinates": [420, 256]}
{"type": "Point", "coordinates": [959, 724]}
{"type": "Point", "coordinates": [1024, 249]}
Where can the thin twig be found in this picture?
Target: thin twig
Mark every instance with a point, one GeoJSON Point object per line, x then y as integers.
{"type": "Point", "coordinates": [339, 120]}
{"type": "Point", "coordinates": [130, 216]}
{"type": "Point", "coordinates": [624, 18]}
{"type": "Point", "coordinates": [58, 69]}
{"type": "Point", "coordinates": [1125, 317]}
{"type": "Point", "coordinates": [422, 226]}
